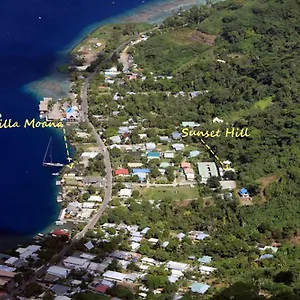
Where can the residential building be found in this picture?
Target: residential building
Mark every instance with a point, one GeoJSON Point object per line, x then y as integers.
{"type": "Point", "coordinates": [153, 155]}
{"type": "Point", "coordinates": [58, 271]}
{"type": "Point", "coordinates": [190, 124]}
{"type": "Point", "coordinates": [169, 154]}
{"type": "Point", "coordinates": [177, 266]}
{"type": "Point", "coordinates": [121, 172]}
{"type": "Point", "coordinates": [217, 120]}
{"type": "Point", "coordinates": [244, 193]}
{"type": "Point", "coordinates": [178, 147]}
{"type": "Point", "coordinates": [205, 270]}
{"type": "Point", "coordinates": [176, 135]}
{"type": "Point", "coordinates": [200, 288]}
{"type": "Point", "coordinates": [125, 193]}
{"type": "Point", "coordinates": [95, 198]}
{"type": "Point", "coordinates": [114, 276]}
{"type": "Point", "coordinates": [150, 146]}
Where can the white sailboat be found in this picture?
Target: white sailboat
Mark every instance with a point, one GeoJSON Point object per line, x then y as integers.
{"type": "Point", "coordinates": [50, 164]}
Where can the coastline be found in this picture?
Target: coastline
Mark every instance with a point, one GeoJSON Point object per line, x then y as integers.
{"type": "Point", "coordinates": [57, 84]}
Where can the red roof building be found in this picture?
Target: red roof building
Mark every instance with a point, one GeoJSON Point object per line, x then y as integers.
{"type": "Point", "coordinates": [185, 165]}
{"type": "Point", "coordinates": [60, 232]}
{"type": "Point", "coordinates": [122, 172]}
{"type": "Point", "coordinates": [101, 288]}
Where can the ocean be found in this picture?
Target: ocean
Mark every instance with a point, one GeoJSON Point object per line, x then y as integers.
{"type": "Point", "coordinates": [35, 36]}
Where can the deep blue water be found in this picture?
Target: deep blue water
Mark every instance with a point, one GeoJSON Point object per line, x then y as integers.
{"type": "Point", "coordinates": [29, 49]}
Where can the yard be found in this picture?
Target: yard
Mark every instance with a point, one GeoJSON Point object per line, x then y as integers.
{"type": "Point", "coordinates": [175, 193]}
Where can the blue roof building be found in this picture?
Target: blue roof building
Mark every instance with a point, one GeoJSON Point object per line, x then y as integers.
{"type": "Point", "coordinates": [202, 236]}
{"type": "Point", "coordinates": [243, 192]}
{"type": "Point", "coordinates": [205, 259]}
{"type": "Point", "coordinates": [151, 155]}
{"type": "Point", "coordinates": [200, 288]}
{"type": "Point", "coordinates": [194, 153]}
{"type": "Point", "coordinates": [176, 135]}
{"type": "Point", "coordinates": [136, 171]}
{"type": "Point", "coordinates": [266, 256]}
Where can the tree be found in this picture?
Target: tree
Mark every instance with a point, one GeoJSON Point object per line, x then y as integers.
{"type": "Point", "coordinates": [213, 182]}
{"type": "Point", "coordinates": [32, 289]}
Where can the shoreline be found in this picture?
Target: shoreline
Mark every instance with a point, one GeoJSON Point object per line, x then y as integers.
{"type": "Point", "coordinates": [154, 12]}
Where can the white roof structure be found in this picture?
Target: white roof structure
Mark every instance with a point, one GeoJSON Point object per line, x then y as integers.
{"type": "Point", "coordinates": [177, 266]}
{"type": "Point", "coordinates": [217, 120]}
{"type": "Point", "coordinates": [88, 204]}
{"type": "Point", "coordinates": [75, 261]}
{"type": "Point", "coordinates": [116, 276]}
{"type": "Point", "coordinates": [95, 198]}
{"type": "Point", "coordinates": [87, 256]}
{"type": "Point", "coordinates": [58, 271]}
{"type": "Point", "coordinates": [89, 245]}
{"type": "Point", "coordinates": [125, 193]}
{"type": "Point", "coordinates": [11, 260]}
{"type": "Point", "coordinates": [89, 155]}
{"type": "Point", "coordinates": [206, 269]}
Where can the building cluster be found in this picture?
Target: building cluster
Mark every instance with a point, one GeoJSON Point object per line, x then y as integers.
{"type": "Point", "coordinates": [51, 110]}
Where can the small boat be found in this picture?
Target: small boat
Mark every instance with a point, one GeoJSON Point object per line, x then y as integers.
{"type": "Point", "coordinates": [51, 163]}
{"type": "Point", "coordinates": [55, 174]}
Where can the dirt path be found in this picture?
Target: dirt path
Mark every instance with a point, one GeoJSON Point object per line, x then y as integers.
{"type": "Point", "coordinates": [265, 181]}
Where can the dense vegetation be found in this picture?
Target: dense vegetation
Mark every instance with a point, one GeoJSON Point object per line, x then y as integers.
{"type": "Point", "coordinates": [250, 78]}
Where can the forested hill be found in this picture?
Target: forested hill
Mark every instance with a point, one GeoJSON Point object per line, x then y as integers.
{"type": "Point", "coordinates": [245, 56]}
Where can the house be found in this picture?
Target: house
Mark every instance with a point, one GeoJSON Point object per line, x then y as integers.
{"type": "Point", "coordinates": [123, 130]}
{"type": "Point", "coordinates": [204, 259]}
{"type": "Point", "coordinates": [266, 256]}
{"type": "Point", "coordinates": [190, 124]}
{"type": "Point", "coordinates": [150, 146]}
{"type": "Point", "coordinates": [180, 236]}
{"type": "Point", "coordinates": [141, 173]}
{"type": "Point", "coordinates": [169, 154]}
{"type": "Point", "coordinates": [199, 288]}
{"type": "Point", "coordinates": [72, 113]}
{"type": "Point", "coordinates": [185, 165]}
{"type": "Point", "coordinates": [95, 198]}
{"type": "Point", "coordinates": [178, 147]}
{"type": "Point", "coordinates": [112, 72]}
{"type": "Point", "coordinates": [114, 276]}
{"type": "Point", "coordinates": [228, 184]}
{"type": "Point", "coordinates": [164, 165]}
{"type": "Point", "coordinates": [153, 155]}
{"type": "Point", "coordinates": [142, 136]}
{"type": "Point", "coordinates": [244, 193]}
{"type": "Point", "coordinates": [176, 135]}
{"type": "Point", "coordinates": [58, 271]}
{"type": "Point", "coordinates": [177, 266]}
{"type": "Point", "coordinates": [217, 120]}
{"type": "Point", "coordinates": [264, 248]}
{"type": "Point", "coordinates": [121, 172]}
{"type": "Point", "coordinates": [175, 275]}
{"type": "Point", "coordinates": [201, 236]}
{"type": "Point", "coordinates": [116, 139]}
{"type": "Point", "coordinates": [207, 170]}
{"type": "Point", "coordinates": [194, 94]}
{"type": "Point", "coordinates": [89, 245]}
{"type": "Point", "coordinates": [76, 262]}
{"type": "Point", "coordinates": [88, 155]}
{"type": "Point", "coordinates": [134, 165]}
{"type": "Point", "coordinates": [125, 193]}
{"type": "Point", "coordinates": [164, 139]}
{"type": "Point", "coordinates": [205, 270]}
{"type": "Point", "coordinates": [165, 244]}
{"type": "Point", "coordinates": [189, 174]}
{"type": "Point", "coordinates": [194, 153]}
{"type": "Point", "coordinates": [153, 241]}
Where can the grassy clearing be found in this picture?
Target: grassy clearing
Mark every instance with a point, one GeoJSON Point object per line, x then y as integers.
{"type": "Point", "coordinates": [263, 103]}
{"type": "Point", "coordinates": [176, 193]}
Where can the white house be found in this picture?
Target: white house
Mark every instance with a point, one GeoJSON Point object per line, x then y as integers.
{"type": "Point", "coordinates": [125, 193]}
{"type": "Point", "coordinates": [58, 271]}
